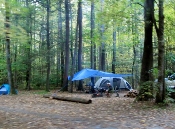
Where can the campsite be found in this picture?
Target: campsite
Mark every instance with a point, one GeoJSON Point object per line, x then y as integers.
{"type": "Point", "coordinates": [30, 110]}
{"type": "Point", "coordinates": [87, 64]}
{"type": "Point", "coordinates": [116, 80]}
{"type": "Point", "coordinates": [38, 109]}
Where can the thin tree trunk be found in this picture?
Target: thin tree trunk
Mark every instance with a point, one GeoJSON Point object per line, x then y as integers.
{"type": "Point", "coordinates": [8, 54]}
{"type": "Point", "coordinates": [15, 57]}
{"type": "Point", "coordinates": [28, 70]}
{"type": "Point", "coordinates": [72, 51]}
{"type": "Point", "coordinates": [80, 86]}
{"type": "Point", "coordinates": [114, 50]}
{"type": "Point", "coordinates": [48, 46]}
{"type": "Point", "coordinates": [41, 47]}
{"type": "Point", "coordinates": [60, 41]}
{"type": "Point", "coordinates": [66, 68]}
{"type": "Point", "coordinates": [161, 51]}
{"type": "Point", "coordinates": [102, 48]}
{"type": "Point", "coordinates": [135, 40]}
{"type": "Point", "coordinates": [76, 48]}
{"type": "Point", "coordinates": [92, 35]}
{"type": "Point", "coordinates": [76, 44]}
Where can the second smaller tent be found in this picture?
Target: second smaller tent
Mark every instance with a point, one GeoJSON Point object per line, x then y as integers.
{"type": "Point", "coordinates": [5, 89]}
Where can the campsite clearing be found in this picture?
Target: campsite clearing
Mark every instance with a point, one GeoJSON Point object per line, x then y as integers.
{"type": "Point", "coordinates": [31, 110]}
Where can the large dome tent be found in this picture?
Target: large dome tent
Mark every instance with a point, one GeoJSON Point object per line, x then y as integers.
{"type": "Point", "coordinates": [117, 83]}
{"type": "Point", "coordinates": [91, 73]}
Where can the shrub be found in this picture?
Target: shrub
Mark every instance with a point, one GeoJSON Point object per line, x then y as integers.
{"type": "Point", "coordinates": [146, 91]}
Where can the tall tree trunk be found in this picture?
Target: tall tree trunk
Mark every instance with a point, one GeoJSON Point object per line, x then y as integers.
{"type": "Point", "coordinates": [28, 30]}
{"type": "Point", "coordinates": [95, 57]}
{"type": "Point", "coordinates": [147, 59]}
{"type": "Point", "coordinates": [114, 50]}
{"type": "Point", "coordinates": [41, 48]}
{"type": "Point", "coordinates": [135, 43]}
{"type": "Point", "coordinates": [80, 86]}
{"type": "Point", "coordinates": [76, 48]}
{"type": "Point", "coordinates": [60, 41]}
{"type": "Point", "coordinates": [15, 75]}
{"type": "Point", "coordinates": [76, 44]}
{"type": "Point", "coordinates": [8, 54]}
{"type": "Point", "coordinates": [161, 51]}
{"type": "Point", "coordinates": [102, 48]}
{"type": "Point", "coordinates": [93, 45]}
{"type": "Point", "coordinates": [66, 68]}
{"type": "Point", "coordinates": [48, 46]}
{"type": "Point", "coordinates": [72, 51]}
{"type": "Point", "coordinates": [92, 36]}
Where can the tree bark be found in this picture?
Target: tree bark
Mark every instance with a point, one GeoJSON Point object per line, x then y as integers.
{"type": "Point", "coordinates": [28, 61]}
{"type": "Point", "coordinates": [72, 52]}
{"type": "Point", "coordinates": [161, 51]}
{"type": "Point", "coordinates": [92, 36]}
{"type": "Point", "coordinates": [48, 46]}
{"type": "Point", "coordinates": [71, 99]}
{"type": "Point", "coordinates": [114, 50]}
{"type": "Point", "coordinates": [66, 68]}
{"type": "Point", "coordinates": [8, 54]}
{"type": "Point", "coordinates": [102, 47]}
{"type": "Point", "coordinates": [80, 86]}
{"type": "Point", "coordinates": [60, 43]}
{"type": "Point", "coordinates": [147, 59]}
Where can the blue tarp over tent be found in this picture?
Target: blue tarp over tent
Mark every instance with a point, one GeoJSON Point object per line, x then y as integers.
{"type": "Point", "coordinates": [5, 89]}
{"type": "Point", "coordinates": [87, 73]}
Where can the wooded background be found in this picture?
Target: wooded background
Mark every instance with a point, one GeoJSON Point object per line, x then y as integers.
{"type": "Point", "coordinates": [48, 40]}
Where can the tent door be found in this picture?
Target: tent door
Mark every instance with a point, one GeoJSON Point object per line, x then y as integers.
{"type": "Point", "coordinates": [116, 83]}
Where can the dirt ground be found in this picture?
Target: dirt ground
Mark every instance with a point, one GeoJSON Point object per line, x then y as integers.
{"type": "Point", "coordinates": [28, 110]}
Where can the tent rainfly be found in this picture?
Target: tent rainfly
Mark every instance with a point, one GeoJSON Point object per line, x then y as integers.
{"type": "Point", "coordinates": [87, 73]}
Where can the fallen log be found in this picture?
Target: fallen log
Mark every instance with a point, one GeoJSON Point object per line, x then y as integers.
{"type": "Point", "coordinates": [71, 99]}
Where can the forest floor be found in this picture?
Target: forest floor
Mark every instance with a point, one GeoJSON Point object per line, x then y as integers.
{"type": "Point", "coordinates": [29, 110]}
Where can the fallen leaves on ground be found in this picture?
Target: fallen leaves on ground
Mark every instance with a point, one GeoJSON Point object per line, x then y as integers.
{"type": "Point", "coordinates": [29, 110]}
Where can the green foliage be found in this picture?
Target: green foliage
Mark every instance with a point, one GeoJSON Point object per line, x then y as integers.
{"type": "Point", "coordinates": [154, 72]}
{"type": "Point", "coordinates": [3, 71]}
{"type": "Point", "coordinates": [168, 72]}
{"type": "Point", "coordinates": [39, 82]}
{"type": "Point", "coordinates": [168, 100]}
{"type": "Point", "coordinates": [170, 59]}
{"type": "Point", "coordinates": [147, 91]}
{"type": "Point", "coordinates": [170, 95]}
{"type": "Point", "coordinates": [125, 17]}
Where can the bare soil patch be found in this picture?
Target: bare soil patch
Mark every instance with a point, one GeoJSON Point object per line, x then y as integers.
{"type": "Point", "coordinates": [29, 110]}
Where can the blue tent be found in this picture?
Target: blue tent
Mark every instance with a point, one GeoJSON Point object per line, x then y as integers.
{"type": "Point", "coordinates": [87, 73]}
{"type": "Point", "coordinates": [5, 89]}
